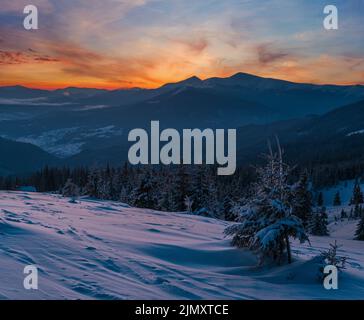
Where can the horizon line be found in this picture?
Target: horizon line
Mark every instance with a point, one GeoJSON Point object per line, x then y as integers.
{"type": "Point", "coordinates": [47, 88]}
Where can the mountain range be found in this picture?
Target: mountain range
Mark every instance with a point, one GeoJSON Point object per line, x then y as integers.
{"type": "Point", "coordinates": [83, 126]}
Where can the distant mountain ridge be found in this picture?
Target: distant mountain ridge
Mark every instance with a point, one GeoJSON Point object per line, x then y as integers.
{"type": "Point", "coordinates": [337, 136]}
{"type": "Point", "coordinates": [276, 93]}
{"type": "Point", "coordinates": [87, 126]}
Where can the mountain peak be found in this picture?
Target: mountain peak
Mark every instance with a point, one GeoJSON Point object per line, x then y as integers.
{"type": "Point", "coordinates": [242, 75]}
{"type": "Point", "coordinates": [192, 81]}
{"type": "Point", "coordinates": [193, 78]}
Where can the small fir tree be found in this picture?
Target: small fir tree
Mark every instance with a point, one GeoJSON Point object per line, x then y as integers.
{"type": "Point", "coordinates": [71, 190]}
{"type": "Point", "coordinates": [337, 199]}
{"type": "Point", "coordinates": [320, 199]}
{"type": "Point", "coordinates": [343, 215]}
{"type": "Point", "coordinates": [357, 197]}
{"type": "Point", "coordinates": [267, 222]}
{"type": "Point", "coordinates": [302, 206]}
{"type": "Point", "coordinates": [319, 223]}
{"type": "Point", "coordinates": [359, 233]}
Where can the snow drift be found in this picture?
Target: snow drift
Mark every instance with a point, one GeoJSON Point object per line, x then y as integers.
{"type": "Point", "coordinates": [107, 250]}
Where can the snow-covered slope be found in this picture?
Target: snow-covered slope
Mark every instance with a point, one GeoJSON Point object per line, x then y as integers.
{"type": "Point", "coordinates": [105, 250]}
{"type": "Point", "coordinates": [345, 189]}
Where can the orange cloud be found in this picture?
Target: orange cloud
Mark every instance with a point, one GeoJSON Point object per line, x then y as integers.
{"type": "Point", "coordinates": [17, 57]}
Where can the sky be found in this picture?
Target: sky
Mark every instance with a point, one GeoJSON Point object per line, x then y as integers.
{"type": "Point", "coordinates": [147, 43]}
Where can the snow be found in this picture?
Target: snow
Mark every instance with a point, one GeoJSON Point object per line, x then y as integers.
{"type": "Point", "coordinates": [51, 141]}
{"type": "Point", "coordinates": [355, 133]}
{"type": "Point", "coordinates": [69, 141]}
{"type": "Point", "coordinates": [14, 116]}
{"type": "Point", "coordinates": [41, 101]}
{"type": "Point", "coordinates": [103, 132]}
{"type": "Point", "coordinates": [107, 250]}
{"type": "Point", "coordinates": [92, 107]}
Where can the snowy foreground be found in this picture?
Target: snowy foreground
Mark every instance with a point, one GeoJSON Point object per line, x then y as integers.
{"type": "Point", "coordinates": [105, 250]}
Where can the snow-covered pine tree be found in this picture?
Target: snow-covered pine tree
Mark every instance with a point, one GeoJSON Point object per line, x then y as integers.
{"type": "Point", "coordinates": [331, 257]}
{"type": "Point", "coordinates": [165, 202]}
{"type": "Point", "coordinates": [237, 207]}
{"type": "Point", "coordinates": [71, 190]}
{"type": "Point", "coordinates": [302, 205]}
{"type": "Point", "coordinates": [357, 212]}
{"type": "Point", "coordinates": [343, 215]}
{"type": "Point", "coordinates": [91, 187]}
{"type": "Point", "coordinates": [267, 222]}
{"type": "Point", "coordinates": [357, 197]}
{"type": "Point", "coordinates": [204, 192]}
{"type": "Point", "coordinates": [127, 181]}
{"type": "Point", "coordinates": [212, 203]}
{"type": "Point", "coordinates": [197, 191]}
{"type": "Point", "coordinates": [115, 184]}
{"type": "Point", "coordinates": [351, 215]}
{"type": "Point", "coordinates": [172, 197]}
{"type": "Point", "coordinates": [359, 233]}
{"type": "Point", "coordinates": [104, 184]}
{"type": "Point", "coordinates": [182, 188]}
{"type": "Point", "coordinates": [143, 193]}
{"type": "Point", "coordinates": [227, 206]}
{"type": "Point", "coordinates": [188, 204]}
{"type": "Point", "coordinates": [125, 193]}
{"type": "Point", "coordinates": [337, 199]}
{"type": "Point", "coordinates": [319, 223]}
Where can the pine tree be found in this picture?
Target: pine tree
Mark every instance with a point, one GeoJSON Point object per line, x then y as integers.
{"type": "Point", "coordinates": [319, 223]}
{"type": "Point", "coordinates": [351, 215]}
{"type": "Point", "coordinates": [320, 199]}
{"type": "Point", "coordinates": [182, 188]}
{"type": "Point", "coordinates": [302, 207]}
{"type": "Point", "coordinates": [204, 193]}
{"type": "Point", "coordinates": [357, 197]}
{"type": "Point", "coordinates": [267, 221]}
{"type": "Point", "coordinates": [359, 233]}
{"type": "Point", "coordinates": [91, 187]}
{"type": "Point", "coordinates": [343, 214]}
{"type": "Point", "coordinates": [357, 212]}
{"type": "Point", "coordinates": [143, 194]}
{"type": "Point", "coordinates": [324, 222]}
{"type": "Point", "coordinates": [331, 257]}
{"type": "Point", "coordinates": [337, 199]}
{"type": "Point", "coordinates": [104, 184]}
{"type": "Point", "coordinates": [188, 203]}
{"type": "Point", "coordinates": [71, 190]}
{"type": "Point", "coordinates": [227, 209]}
